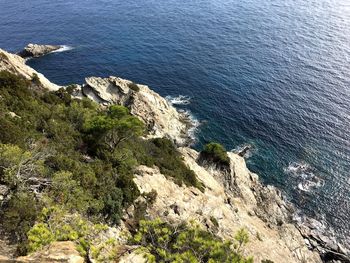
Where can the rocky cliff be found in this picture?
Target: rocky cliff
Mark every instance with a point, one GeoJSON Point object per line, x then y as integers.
{"type": "Point", "coordinates": [257, 208]}
{"type": "Point", "coordinates": [161, 119]}
{"type": "Point", "coordinates": [231, 199]}
{"type": "Point", "coordinates": [16, 64]}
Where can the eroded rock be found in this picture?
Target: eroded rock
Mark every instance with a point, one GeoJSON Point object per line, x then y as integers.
{"type": "Point", "coordinates": [57, 252]}
{"type": "Point", "coordinates": [34, 50]}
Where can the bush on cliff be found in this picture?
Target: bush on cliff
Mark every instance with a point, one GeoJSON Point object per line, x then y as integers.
{"type": "Point", "coordinates": [56, 224]}
{"type": "Point", "coordinates": [110, 129]}
{"type": "Point", "coordinates": [18, 215]}
{"type": "Point", "coordinates": [162, 242]}
{"type": "Point", "coordinates": [216, 154]}
{"type": "Point", "coordinates": [134, 86]}
{"type": "Point", "coordinates": [162, 153]}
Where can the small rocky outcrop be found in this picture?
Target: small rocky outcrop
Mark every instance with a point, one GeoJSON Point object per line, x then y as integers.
{"type": "Point", "coordinates": [244, 151]}
{"type": "Point", "coordinates": [16, 65]}
{"type": "Point", "coordinates": [34, 50]}
{"type": "Point", "coordinates": [57, 252]}
{"type": "Point", "coordinates": [160, 118]}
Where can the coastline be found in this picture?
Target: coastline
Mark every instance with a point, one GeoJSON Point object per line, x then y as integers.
{"type": "Point", "coordinates": [163, 120]}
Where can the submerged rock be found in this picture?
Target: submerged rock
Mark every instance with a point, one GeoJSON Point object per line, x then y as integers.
{"type": "Point", "coordinates": [34, 50]}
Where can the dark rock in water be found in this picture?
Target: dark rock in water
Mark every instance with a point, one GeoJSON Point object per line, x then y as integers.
{"type": "Point", "coordinates": [34, 50]}
{"type": "Point", "coordinates": [242, 152]}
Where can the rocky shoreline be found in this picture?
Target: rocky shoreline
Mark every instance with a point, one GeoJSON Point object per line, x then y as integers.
{"type": "Point", "coordinates": [234, 198]}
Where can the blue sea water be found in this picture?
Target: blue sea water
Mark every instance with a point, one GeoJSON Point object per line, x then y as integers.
{"type": "Point", "coordinates": [274, 74]}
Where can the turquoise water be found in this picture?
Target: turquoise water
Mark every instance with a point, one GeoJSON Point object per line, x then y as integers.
{"type": "Point", "coordinates": [274, 74]}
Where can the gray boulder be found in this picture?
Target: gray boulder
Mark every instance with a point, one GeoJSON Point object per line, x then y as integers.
{"type": "Point", "coordinates": [34, 50]}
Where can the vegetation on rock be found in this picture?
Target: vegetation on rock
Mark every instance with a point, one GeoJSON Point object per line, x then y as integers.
{"type": "Point", "coordinates": [71, 154]}
{"type": "Point", "coordinates": [216, 154]}
{"type": "Point", "coordinates": [134, 87]}
{"type": "Point", "coordinates": [162, 242]}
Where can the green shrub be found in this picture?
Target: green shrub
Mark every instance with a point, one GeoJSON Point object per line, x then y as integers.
{"type": "Point", "coordinates": [215, 153]}
{"type": "Point", "coordinates": [10, 132]}
{"type": "Point", "coordinates": [39, 236]}
{"type": "Point", "coordinates": [214, 221]}
{"type": "Point", "coordinates": [64, 94]}
{"type": "Point", "coordinates": [67, 192]}
{"type": "Point", "coordinates": [9, 80]}
{"type": "Point", "coordinates": [134, 86]}
{"type": "Point", "coordinates": [150, 197]}
{"type": "Point", "coordinates": [163, 153]}
{"type": "Point", "coordinates": [242, 237]}
{"type": "Point", "coordinates": [56, 224]}
{"type": "Point", "coordinates": [113, 128]}
{"type": "Point", "coordinates": [35, 78]}
{"type": "Point", "coordinates": [18, 165]}
{"type": "Point", "coordinates": [129, 188]}
{"type": "Point", "coordinates": [18, 216]}
{"type": "Point", "coordinates": [161, 242]}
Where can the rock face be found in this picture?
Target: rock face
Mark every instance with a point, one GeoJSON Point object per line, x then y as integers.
{"type": "Point", "coordinates": [131, 256]}
{"type": "Point", "coordinates": [321, 238]}
{"type": "Point", "coordinates": [34, 50]}
{"type": "Point", "coordinates": [57, 252]}
{"type": "Point", "coordinates": [259, 209]}
{"type": "Point", "coordinates": [16, 65]}
{"type": "Point", "coordinates": [161, 119]}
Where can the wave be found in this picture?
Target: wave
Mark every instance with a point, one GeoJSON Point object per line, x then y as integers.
{"type": "Point", "coordinates": [179, 100]}
{"type": "Point", "coordinates": [305, 175]}
{"type": "Point", "coordinates": [63, 48]}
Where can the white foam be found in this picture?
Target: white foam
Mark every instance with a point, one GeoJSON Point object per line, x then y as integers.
{"type": "Point", "coordinates": [305, 174]}
{"type": "Point", "coordinates": [63, 48]}
{"type": "Point", "coordinates": [179, 100]}
{"type": "Point", "coordinates": [297, 167]}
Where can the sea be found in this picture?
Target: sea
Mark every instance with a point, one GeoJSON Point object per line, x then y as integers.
{"type": "Point", "coordinates": [272, 74]}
